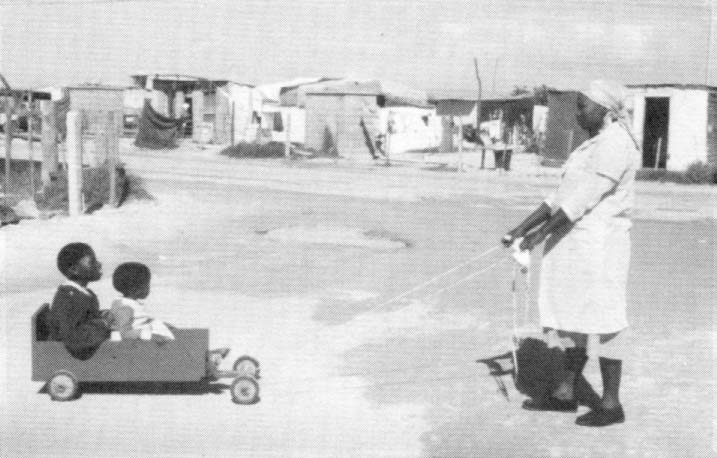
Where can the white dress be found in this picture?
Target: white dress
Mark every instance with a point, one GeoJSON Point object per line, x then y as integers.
{"type": "Point", "coordinates": [141, 321]}
{"type": "Point", "coordinates": [584, 269]}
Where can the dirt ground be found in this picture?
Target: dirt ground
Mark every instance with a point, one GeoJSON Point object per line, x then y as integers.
{"type": "Point", "coordinates": [342, 375]}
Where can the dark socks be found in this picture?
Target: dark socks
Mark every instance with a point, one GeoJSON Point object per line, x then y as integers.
{"type": "Point", "coordinates": [610, 410]}
{"type": "Point", "coordinates": [611, 370]}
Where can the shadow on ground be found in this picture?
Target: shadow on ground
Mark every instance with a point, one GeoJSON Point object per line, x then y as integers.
{"type": "Point", "coordinates": [466, 415]}
{"type": "Point", "coordinates": [150, 388]}
{"type": "Point", "coordinates": [540, 370]}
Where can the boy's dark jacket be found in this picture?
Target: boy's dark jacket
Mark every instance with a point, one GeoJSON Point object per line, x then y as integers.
{"type": "Point", "coordinates": [75, 319]}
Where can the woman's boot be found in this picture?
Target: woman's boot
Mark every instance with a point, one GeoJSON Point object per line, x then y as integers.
{"type": "Point", "coordinates": [610, 410]}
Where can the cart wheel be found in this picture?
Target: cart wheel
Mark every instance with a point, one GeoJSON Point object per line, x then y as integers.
{"type": "Point", "coordinates": [63, 386]}
{"type": "Point", "coordinates": [247, 366]}
{"type": "Point", "coordinates": [245, 390]}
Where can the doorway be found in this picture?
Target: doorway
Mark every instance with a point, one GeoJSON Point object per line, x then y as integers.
{"type": "Point", "coordinates": [654, 143]}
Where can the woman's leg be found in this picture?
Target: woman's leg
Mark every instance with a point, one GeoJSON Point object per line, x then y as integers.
{"type": "Point", "coordinates": [611, 370]}
{"type": "Point", "coordinates": [575, 359]}
{"type": "Point", "coordinates": [610, 410]}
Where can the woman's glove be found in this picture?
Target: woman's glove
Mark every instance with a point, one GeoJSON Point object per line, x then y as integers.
{"type": "Point", "coordinates": [532, 240]}
{"type": "Point", "coordinates": [541, 214]}
{"type": "Point", "coordinates": [556, 221]}
{"type": "Point", "coordinates": [512, 235]}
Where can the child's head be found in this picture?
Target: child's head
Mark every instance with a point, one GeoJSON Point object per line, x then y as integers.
{"type": "Point", "coordinates": [77, 262]}
{"type": "Point", "coordinates": [132, 280]}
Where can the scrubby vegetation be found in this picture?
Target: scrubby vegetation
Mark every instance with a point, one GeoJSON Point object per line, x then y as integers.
{"type": "Point", "coordinates": [52, 198]}
{"type": "Point", "coordinates": [95, 188]}
{"type": "Point", "coordinates": [245, 150]}
{"type": "Point", "coordinates": [696, 173]}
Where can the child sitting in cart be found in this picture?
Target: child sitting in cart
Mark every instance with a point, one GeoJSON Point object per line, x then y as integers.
{"type": "Point", "coordinates": [75, 317]}
{"type": "Point", "coordinates": [130, 318]}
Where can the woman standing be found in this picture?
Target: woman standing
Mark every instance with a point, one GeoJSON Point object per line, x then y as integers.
{"type": "Point", "coordinates": [587, 253]}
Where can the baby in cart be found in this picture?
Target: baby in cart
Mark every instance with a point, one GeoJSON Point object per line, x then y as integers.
{"type": "Point", "coordinates": [130, 318]}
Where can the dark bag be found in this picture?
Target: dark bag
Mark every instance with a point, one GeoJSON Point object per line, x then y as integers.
{"type": "Point", "coordinates": [540, 368]}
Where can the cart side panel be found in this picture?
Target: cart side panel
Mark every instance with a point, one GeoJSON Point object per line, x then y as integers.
{"type": "Point", "coordinates": [38, 333]}
{"type": "Point", "coordinates": [181, 360]}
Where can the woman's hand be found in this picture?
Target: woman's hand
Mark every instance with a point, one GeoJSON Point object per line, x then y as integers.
{"type": "Point", "coordinates": [541, 214]}
{"type": "Point", "coordinates": [512, 236]}
{"type": "Point", "coordinates": [532, 240]}
{"type": "Point", "coordinates": [556, 221]}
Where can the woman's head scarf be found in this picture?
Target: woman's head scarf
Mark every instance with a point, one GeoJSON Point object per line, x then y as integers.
{"type": "Point", "coordinates": [616, 98]}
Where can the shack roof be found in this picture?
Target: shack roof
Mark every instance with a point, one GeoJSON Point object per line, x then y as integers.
{"type": "Point", "coordinates": [703, 87]}
{"type": "Point", "coordinates": [472, 96]}
{"type": "Point", "coordinates": [37, 94]}
{"type": "Point", "coordinates": [396, 94]}
{"type": "Point", "coordinates": [679, 86]}
{"type": "Point", "coordinates": [176, 81]}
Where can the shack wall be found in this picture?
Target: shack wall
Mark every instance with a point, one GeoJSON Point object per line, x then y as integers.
{"type": "Point", "coordinates": [334, 121]}
{"type": "Point", "coordinates": [712, 127]}
{"type": "Point", "coordinates": [688, 123]}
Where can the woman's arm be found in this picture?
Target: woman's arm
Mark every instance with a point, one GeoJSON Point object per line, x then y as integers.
{"type": "Point", "coordinates": [541, 214]}
{"type": "Point", "coordinates": [572, 208]}
{"type": "Point", "coordinates": [557, 220]}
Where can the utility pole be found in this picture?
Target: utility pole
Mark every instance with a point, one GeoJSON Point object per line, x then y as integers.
{"type": "Point", "coordinates": [710, 36]}
{"type": "Point", "coordinates": [480, 93]}
{"type": "Point", "coordinates": [495, 72]}
{"type": "Point", "coordinates": [478, 110]}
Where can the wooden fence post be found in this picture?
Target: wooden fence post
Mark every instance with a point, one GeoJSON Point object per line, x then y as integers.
{"type": "Point", "coordinates": [460, 144]}
{"type": "Point", "coordinates": [114, 119]}
{"type": "Point", "coordinates": [73, 156]}
{"type": "Point", "coordinates": [48, 139]}
{"type": "Point", "coordinates": [30, 142]}
{"type": "Point", "coordinates": [197, 115]}
{"type": "Point", "coordinates": [287, 128]}
{"type": "Point", "coordinates": [9, 108]}
{"type": "Point", "coordinates": [389, 131]}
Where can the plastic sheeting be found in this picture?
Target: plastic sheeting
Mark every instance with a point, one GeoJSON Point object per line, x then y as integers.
{"type": "Point", "coordinates": [156, 131]}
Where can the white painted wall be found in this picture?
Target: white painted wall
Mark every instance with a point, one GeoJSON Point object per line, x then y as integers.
{"type": "Point", "coordinates": [687, 130]}
{"type": "Point", "coordinates": [297, 127]}
{"type": "Point", "coordinates": [410, 130]}
{"type": "Point", "coordinates": [134, 100]}
{"type": "Point", "coordinates": [243, 99]}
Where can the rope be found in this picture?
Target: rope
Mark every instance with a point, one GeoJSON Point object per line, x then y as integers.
{"type": "Point", "coordinates": [515, 319]}
{"type": "Point", "coordinates": [526, 315]}
{"type": "Point", "coordinates": [434, 279]}
{"type": "Point", "coordinates": [428, 366]}
{"type": "Point", "coordinates": [474, 274]}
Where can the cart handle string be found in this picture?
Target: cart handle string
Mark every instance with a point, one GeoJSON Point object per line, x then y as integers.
{"type": "Point", "coordinates": [437, 277]}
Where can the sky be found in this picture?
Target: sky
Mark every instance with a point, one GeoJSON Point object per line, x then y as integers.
{"type": "Point", "coordinates": [428, 44]}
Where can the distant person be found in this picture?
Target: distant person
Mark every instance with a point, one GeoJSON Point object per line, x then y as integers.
{"type": "Point", "coordinates": [380, 142]}
{"type": "Point", "coordinates": [130, 317]}
{"type": "Point", "coordinates": [75, 317]}
{"type": "Point", "coordinates": [587, 254]}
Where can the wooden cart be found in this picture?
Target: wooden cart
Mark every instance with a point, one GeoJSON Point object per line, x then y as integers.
{"type": "Point", "coordinates": [186, 359]}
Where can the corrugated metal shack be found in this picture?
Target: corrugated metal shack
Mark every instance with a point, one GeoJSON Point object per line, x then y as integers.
{"type": "Point", "coordinates": [341, 115]}
{"type": "Point", "coordinates": [225, 105]}
{"type": "Point", "coordinates": [675, 124]}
